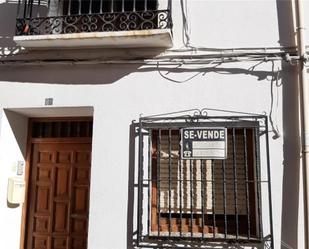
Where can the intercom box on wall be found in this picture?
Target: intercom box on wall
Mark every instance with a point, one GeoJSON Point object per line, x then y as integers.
{"type": "Point", "coordinates": [16, 190]}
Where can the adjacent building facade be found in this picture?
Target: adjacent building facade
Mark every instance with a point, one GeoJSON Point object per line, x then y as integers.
{"type": "Point", "coordinates": [151, 124]}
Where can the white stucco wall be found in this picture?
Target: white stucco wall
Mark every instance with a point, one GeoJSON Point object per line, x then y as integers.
{"type": "Point", "coordinates": [118, 94]}
{"type": "Point", "coordinates": [117, 104]}
{"type": "Point", "coordinates": [11, 153]}
{"type": "Point", "coordinates": [226, 24]}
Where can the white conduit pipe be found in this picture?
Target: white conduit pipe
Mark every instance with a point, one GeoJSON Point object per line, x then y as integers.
{"type": "Point", "coordinates": [304, 111]}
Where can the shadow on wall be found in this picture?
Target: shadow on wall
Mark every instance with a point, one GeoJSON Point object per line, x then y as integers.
{"type": "Point", "coordinates": [66, 74]}
{"type": "Point", "coordinates": [291, 163]}
{"type": "Point", "coordinates": [131, 187]}
{"type": "Point", "coordinates": [291, 148]}
{"type": "Point", "coordinates": [7, 29]}
{"type": "Point", "coordinates": [110, 73]}
{"type": "Point", "coordinates": [19, 127]}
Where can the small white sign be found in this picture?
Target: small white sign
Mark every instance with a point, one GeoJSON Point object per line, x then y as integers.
{"type": "Point", "coordinates": [204, 143]}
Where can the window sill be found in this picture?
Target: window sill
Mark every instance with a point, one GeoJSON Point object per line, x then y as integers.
{"type": "Point", "coordinates": [218, 236]}
{"type": "Point", "coordinates": [159, 38]}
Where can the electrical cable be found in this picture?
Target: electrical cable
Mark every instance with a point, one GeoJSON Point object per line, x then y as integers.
{"type": "Point", "coordinates": [274, 81]}
{"type": "Point", "coordinates": [186, 30]}
{"type": "Point", "coordinates": [146, 62]}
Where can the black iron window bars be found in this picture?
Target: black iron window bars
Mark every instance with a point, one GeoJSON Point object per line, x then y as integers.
{"type": "Point", "coordinates": [183, 202]}
{"type": "Point", "coordinates": [41, 17]}
{"type": "Point", "coordinates": [62, 128]}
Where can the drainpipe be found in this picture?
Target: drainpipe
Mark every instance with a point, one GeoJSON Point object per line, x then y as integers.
{"type": "Point", "coordinates": [304, 111]}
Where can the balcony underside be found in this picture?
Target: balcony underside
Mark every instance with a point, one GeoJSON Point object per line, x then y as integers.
{"type": "Point", "coordinates": [121, 39]}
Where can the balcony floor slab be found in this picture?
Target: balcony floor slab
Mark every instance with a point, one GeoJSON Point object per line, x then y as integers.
{"type": "Point", "coordinates": [156, 38]}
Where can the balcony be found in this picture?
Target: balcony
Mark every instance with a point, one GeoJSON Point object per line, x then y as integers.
{"type": "Point", "coordinates": [93, 23]}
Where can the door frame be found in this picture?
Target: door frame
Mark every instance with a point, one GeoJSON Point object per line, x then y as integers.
{"type": "Point", "coordinates": [30, 142]}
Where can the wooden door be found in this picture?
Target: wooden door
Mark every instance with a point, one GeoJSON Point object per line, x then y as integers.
{"type": "Point", "coordinates": [58, 195]}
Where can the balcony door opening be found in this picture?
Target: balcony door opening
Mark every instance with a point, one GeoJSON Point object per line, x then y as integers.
{"type": "Point", "coordinates": [77, 7]}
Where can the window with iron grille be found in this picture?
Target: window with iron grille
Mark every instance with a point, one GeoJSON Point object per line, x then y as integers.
{"type": "Point", "coordinates": [203, 201]}
{"type": "Point", "coordinates": [42, 17]}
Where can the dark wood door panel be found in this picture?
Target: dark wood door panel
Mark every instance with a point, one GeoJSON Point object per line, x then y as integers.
{"type": "Point", "coordinates": [59, 196]}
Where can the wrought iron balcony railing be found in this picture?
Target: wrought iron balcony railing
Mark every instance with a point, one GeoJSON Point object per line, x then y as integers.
{"type": "Point", "coordinates": [44, 17]}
